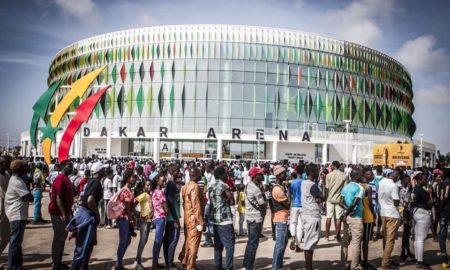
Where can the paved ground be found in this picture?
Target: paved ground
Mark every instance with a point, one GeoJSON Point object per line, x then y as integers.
{"type": "Point", "coordinates": [37, 246]}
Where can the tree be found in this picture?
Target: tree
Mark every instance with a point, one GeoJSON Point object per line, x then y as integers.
{"type": "Point", "coordinates": [16, 151]}
{"type": "Point", "coordinates": [442, 160]}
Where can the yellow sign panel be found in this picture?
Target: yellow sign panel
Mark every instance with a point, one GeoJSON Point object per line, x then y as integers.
{"type": "Point", "coordinates": [392, 155]}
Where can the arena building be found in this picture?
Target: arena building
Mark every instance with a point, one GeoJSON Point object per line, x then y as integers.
{"type": "Point", "coordinates": [235, 92]}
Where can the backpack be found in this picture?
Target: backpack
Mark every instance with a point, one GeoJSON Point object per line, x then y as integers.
{"type": "Point", "coordinates": [115, 207]}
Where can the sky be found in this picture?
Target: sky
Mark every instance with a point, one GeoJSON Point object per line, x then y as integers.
{"type": "Point", "coordinates": [411, 31]}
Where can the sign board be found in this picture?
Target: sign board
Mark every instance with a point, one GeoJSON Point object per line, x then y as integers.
{"type": "Point", "coordinates": [393, 155]}
{"type": "Point", "coordinates": [296, 151]}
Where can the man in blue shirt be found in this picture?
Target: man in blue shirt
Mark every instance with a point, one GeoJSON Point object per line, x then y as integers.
{"type": "Point", "coordinates": [376, 207]}
{"type": "Point", "coordinates": [351, 201]}
{"type": "Point", "coordinates": [295, 226]}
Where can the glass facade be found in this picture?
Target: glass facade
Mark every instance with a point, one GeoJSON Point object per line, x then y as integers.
{"type": "Point", "coordinates": [193, 78]}
{"type": "Point", "coordinates": [140, 147]}
{"type": "Point", "coordinates": [188, 149]}
{"type": "Point", "coordinates": [243, 150]}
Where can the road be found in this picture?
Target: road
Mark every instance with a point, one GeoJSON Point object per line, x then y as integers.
{"type": "Point", "coordinates": [38, 238]}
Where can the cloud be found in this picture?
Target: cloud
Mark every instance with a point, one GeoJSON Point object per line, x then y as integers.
{"type": "Point", "coordinates": [438, 94]}
{"type": "Point", "coordinates": [421, 55]}
{"type": "Point", "coordinates": [84, 10]}
{"type": "Point", "coordinates": [24, 59]}
{"type": "Point", "coordinates": [359, 21]}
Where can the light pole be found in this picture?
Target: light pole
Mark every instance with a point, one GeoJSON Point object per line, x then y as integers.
{"type": "Point", "coordinates": [7, 144]}
{"type": "Point", "coordinates": [109, 140]}
{"type": "Point", "coordinates": [421, 149]}
{"type": "Point", "coordinates": [257, 149]}
{"type": "Point", "coordinates": [316, 129]}
{"type": "Point", "coordinates": [347, 124]}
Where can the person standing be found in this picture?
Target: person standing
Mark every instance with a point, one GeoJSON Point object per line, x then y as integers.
{"type": "Point", "coordinates": [172, 230]}
{"type": "Point", "coordinates": [269, 180]}
{"type": "Point", "coordinates": [83, 181]}
{"type": "Point", "coordinates": [209, 226]}
{"type": "Point", "coordinates": [193, 217]}
{"type": "Point", "coordinates": [280, 217]}
{"type": "Point", "coordinates": [421, 205]}
{"type": "Point", "coordinates": [4, 222]}
{"type": "Point", "coordinates": [295, 226]}
{"type": "Point", "coordinates": [160, 210]}
{"type": "Point", "coordinates": [240, 209]}
{"type": "Point", "coordinates": [255, 205]}
{"type": "Point", "coordinates": [376, 205]}
{"type": "Point", "coordinates": [83, 225]}
{"type": "Point", "coordinates": [60, 209]}
{"type": "Point", "coordinates": [17, 198]}
{"type": "Point", "coordinates": [368, 215]}
{"type": "Point", "coordinates": [334, 183]}
{"type": "Point", "coordinates": [221, 199]}
{"type": "Point", "coordinates": [125, 221]}
{"type": "Point", "coordinates": [312, 198]}
{"type": "Point", "coordinates": [38, 188]}
{"type": "Point", "coordinates": [351, 202]}
{"type": "Point", "coordinates": [437, 178]}
{"type": "Point", "coordinates": [443, 198]}
{"type": "Point", "coordinates": [406, 217]}
{"type": "Point", "coordinates": [117, 178]}
{"type": "Point", "coordinates": [145, 220]}
{"type": "Point", "coordinates": [389, 200]}
{"type": "Point", "coordinates": [108, 192]}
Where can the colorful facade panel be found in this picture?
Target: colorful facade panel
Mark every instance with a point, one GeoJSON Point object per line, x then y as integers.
{"type": "Point", "coordinates": [249, 77]}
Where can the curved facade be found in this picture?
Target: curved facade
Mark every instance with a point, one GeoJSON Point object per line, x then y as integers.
{"type": "Point", "coordinates": [191, 78]}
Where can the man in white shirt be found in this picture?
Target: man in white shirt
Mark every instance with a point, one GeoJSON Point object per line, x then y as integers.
{"type": "Point", "coordinates": [17, 198]}
{"type": "Point", "coordinates": [117, 179]}
{"type": "Point", "coordinates": [245, 177]}
{"type": "Point", "coordinates": [389, 199]}
{"type": "Point", "coordinates": [108, 192]}
{"type": "Point", "coordinates": [209, 226]}
{"type": "Point", "coordinates": [4, 222]}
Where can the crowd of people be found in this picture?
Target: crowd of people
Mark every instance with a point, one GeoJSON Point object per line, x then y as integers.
{"type": "Point", "coordinates": [214, 199]}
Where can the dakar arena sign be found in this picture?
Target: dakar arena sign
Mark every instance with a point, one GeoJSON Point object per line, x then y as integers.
{"type": "Point", "coordinates": [51, 121]}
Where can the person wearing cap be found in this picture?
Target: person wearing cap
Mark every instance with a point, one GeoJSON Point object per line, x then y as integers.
{"type": "Point", "coordinates": [172, 230]}
{"type": "Point", "coordinates": [193, 217]}
{"type": "Point", "coordinates": [60, 209]}
{"type": "Point", "coordinates": [255, 206]}
{"type": "Point", "coordinates": [4, 222]}
{"type": "Point", "coordinates": [87, 218]}
{"type": "Point", "coordinates": [280, 217]}
{"type": "Point", "coordinates": [221, 200]}
{"type": "Point", "coordinates": [17, 199]}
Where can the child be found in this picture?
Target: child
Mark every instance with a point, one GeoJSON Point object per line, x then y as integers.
{"type": "Point", "coordinates": [241, 208]}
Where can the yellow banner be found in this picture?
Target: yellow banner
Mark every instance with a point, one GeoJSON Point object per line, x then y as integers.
{"type": "Point", "coordinates": [392, 155]}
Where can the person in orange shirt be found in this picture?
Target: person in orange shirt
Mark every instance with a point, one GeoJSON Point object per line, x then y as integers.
{"type": "Point", "coordinates": [281, 205]}
{"type": "Point", "coordinates": [193, 217]}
